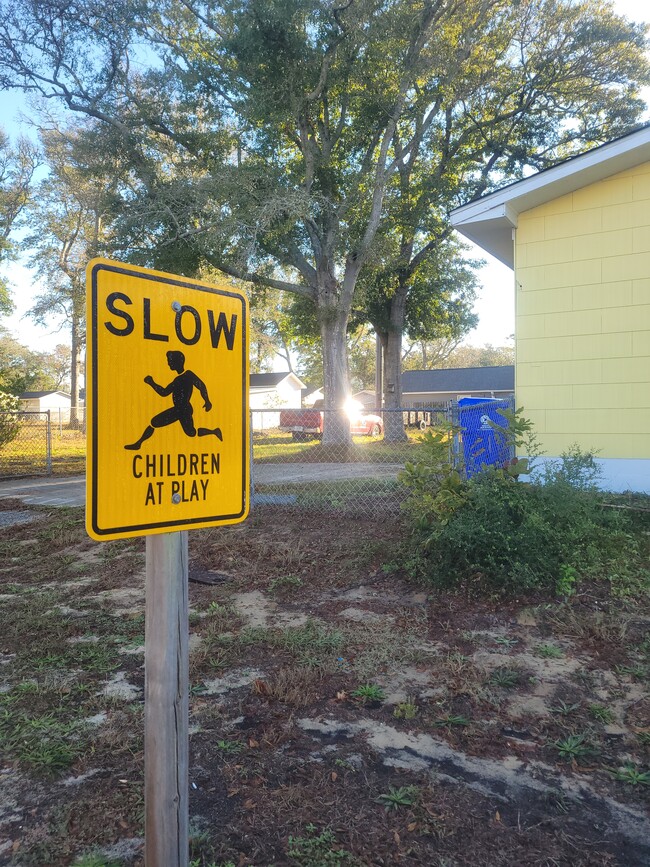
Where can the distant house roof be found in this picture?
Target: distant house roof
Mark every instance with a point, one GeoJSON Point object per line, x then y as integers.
{"type": "Point", "coordinates": [489, 220]}
{"type": "Point", "coordinates": [33, 395]}
{"type": "Point", "coordinates": [459, 379]}
{"type": "Point", "coordinates": [271, 380]}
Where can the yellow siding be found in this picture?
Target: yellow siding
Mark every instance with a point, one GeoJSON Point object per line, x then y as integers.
{"type": "Point", "coordinates": [583, 317]}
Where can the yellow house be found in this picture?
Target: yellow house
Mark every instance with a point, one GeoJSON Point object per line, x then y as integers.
{"type": "Point", "coordinates": [577, 236]}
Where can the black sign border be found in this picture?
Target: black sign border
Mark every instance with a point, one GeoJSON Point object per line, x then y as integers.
{"type": "Point", "coordinates": [141, 529]}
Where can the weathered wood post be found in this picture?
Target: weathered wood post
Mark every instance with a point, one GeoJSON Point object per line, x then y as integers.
{"type": "Point", "coordinates": [166, 738]}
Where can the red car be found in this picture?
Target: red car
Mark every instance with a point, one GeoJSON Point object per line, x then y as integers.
{"type": "Point", "coordinates": [304, 424]}
{"type": "Point", "coordinates": [368, 425]}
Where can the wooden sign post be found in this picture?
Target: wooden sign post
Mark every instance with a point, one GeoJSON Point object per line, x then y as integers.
{"type": "Point", "coordinates": [166, 702]}
{"type": "Point", "coordinates": [168, 450]}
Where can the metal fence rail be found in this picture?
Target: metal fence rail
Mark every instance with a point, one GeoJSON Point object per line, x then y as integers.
{"type": "Point", "coordinates": [25, 444]}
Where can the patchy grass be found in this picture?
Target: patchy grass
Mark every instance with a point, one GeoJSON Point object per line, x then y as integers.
{"type": "Point", "coordinates": [276, 446]}
{"type": "Point", "coordinates": [340, 715]}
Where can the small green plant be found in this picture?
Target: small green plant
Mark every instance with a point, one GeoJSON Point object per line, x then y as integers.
{"type": "Point", "coordinates": [631, 775]}
{"type": "Point", "coordinates": [198, 689]}
{"type": "Point", "coordinates": [636, 672]}
{"type": "Point", "coordinates": [573, 747]}
{"type": "Point", "coordinates": [284, 583]}
{"type": "Point", "coordinates": [601, 713]}
{"type": "Point", "coordinates": [506, 678]}
{"type": "Point", "coordinates": [347, 766]}
{"type": "Point", "coordinates": [562, 708]}
{"type": "Point", "coordinates": [452, 721]}
{"type": "Point", "coordinates": [644, 738]}
{"type": "Point", "coordinates": [95, 859]}
{"type": "Point", "coordinates": [566, 581]}
{"type": "Point", "coordinates": [576, 468]}
{"type": "Point", "coordinates": [317, 850]}
{"type": "Point", "coordinates": [506, 642]}
{"type": "Point", "coordinates": [549, 651]}
{"type": "Point", "coordinates": [405, 710]}
{"type": "Point", "coordinates": [368, 692]}
{"type": "Point", "coordinates": [394, 798]}
{"type": "Point", "coordinates": [230, 747]}
{"type": "Point", "coordinates": [44, 744]}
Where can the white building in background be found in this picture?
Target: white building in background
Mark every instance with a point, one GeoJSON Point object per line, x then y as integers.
{"type": "Point", "coordinates": [58, 402]}
{"type": "Point", "coordinates": [270, 391]}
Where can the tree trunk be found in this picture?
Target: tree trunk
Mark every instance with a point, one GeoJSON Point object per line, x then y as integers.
{"type": "Point", "coordinates": [333, 329]}
{"type": "Point", "coordinates": [379, 371]}
{"type": "Point", "coordinates": [394, 431]}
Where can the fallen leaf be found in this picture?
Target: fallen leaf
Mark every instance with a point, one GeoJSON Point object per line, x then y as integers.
{"type": "Point", "coordinates": [411, 826]}
{"type": "Point", "coordinates": [396, 837]}
{"type": "Point", "coordinates": [341, 695]}
{"type": "Point", "coordinates": [334, 776]}
{"type": "Point", "coordinates": [497, 816]}
{"type": "Point", "coordinates": [253, 743]}
{"type": "Point", "coordinates": [249, 804]}
{"type": "Point", "coordinates": [123, 824]}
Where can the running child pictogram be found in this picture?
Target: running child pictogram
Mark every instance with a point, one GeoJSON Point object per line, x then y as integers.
{"type": "Point", "coordinates": [181, 389]}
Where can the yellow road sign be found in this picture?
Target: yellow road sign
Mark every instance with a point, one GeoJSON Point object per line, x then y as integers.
{"type": "Point", "coordinates": [167, 402]}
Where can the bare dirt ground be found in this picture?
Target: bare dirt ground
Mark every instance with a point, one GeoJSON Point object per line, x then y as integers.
{"type": "Point", "coordinates": [340, 714]}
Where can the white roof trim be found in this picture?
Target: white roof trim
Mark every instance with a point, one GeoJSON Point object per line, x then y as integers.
{"type": "Point", "coordinates": [455, 391]}
{"type": "Point", "coordinates": [489, 221]}
{"type": "Point", "coordinates": [289, 376]}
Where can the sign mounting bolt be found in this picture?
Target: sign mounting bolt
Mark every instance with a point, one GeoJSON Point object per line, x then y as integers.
{"type": "Point", "coordinates": [176, 306]}
{"type": "Point", "coordinates": [176, 498]}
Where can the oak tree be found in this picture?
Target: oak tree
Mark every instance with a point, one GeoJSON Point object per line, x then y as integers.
{"type": "Point", "coordinates": [265, 136]}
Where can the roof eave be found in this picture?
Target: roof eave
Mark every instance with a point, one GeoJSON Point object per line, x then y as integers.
{"type": "Point", "coordinates": [491, 229]}
{"type": "Point", "coordinates": [489, 221]}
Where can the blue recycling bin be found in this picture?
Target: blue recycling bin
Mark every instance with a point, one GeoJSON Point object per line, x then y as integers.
{"type": "Point", "coordinates": [483, 445]}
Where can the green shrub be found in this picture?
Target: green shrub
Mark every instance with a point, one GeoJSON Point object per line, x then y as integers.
{"type": "Point", "coordinates": [496, 534]}
{"type": "Point", "coordinates": [575, 467]}
{"type": "Point", "coordinates": [9, 422]}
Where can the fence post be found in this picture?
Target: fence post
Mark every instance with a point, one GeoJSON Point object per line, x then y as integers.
{"type": "Point", "coordinates": [453, 416]}
{"type": "Point", "coordinates": [252, 475]}
{"type": "Point", "coordinates": [48, 459]}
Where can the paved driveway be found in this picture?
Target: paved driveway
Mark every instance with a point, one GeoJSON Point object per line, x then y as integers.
{"type": "Point", "coordinates": [47, 491]}
{"type": "Point", "coordinates": [71, 491]}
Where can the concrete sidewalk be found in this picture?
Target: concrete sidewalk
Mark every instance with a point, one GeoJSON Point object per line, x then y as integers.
{"type": "Point", "coordinates": [71, 490]}
{"type": "Point", "coordinates": [47, 491]}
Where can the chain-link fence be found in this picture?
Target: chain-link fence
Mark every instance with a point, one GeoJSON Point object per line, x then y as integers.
{"type": "Point", "coordinates": [301, 459]}
{"type": "Point", "coordinates": [68, 440]}
{"type": "Point", "coordinates": [25, 444]}
{"type": "Point", "coordinates": [68, 418]}
{"type": "Point", "coordinates": [295, 464]}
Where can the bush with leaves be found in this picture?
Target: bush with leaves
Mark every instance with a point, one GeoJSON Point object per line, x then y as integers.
{"type": "Point", "coordinates": [9, 421]}
{"type": "Point", "coordinates": [496, 534]}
